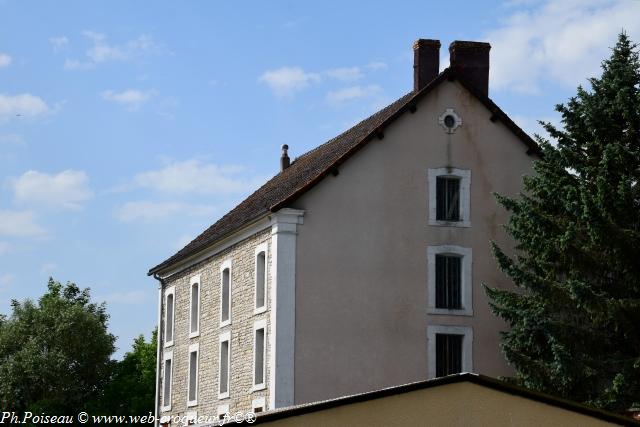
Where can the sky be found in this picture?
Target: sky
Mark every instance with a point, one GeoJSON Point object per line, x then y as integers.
{"type": "Point", "coordinates": [127, 128]}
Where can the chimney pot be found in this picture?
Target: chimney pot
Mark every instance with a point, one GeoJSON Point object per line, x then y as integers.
{"type": "Point", "coordinates": [284, 159]}
{"type": "Point", "coordinates": [426, 62]}
{"type": "Point", "coordinates": [471, 61]}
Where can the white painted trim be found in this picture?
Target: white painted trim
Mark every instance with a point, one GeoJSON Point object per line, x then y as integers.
{"type": "Point", "coordinates": [168, 355]}
{"type": "Point", "coordinates": [465, 196]}
{"type": "Point", "coordinates": [194, 280]}
{"type": "Point", "coordinates": [466, 279]}
{"type": "Point", "coordinates": [191, 416]}
{"type": "Point", "coordinates": [239, 235]}
{"type": "Point", "coordinates": [193, 348]}
{"type": "Point", "coordinates": [258, 402]}
{"type": "Point", "coordinates": [284, 225]}
{"type": "Point", "coordinates": [169, 291]}
{"type": "Point", "coordinates": [467, 346]}
{"type": "Point", "coordinates": [227, 264]}
{"type": "Point", "coordinates": [225, 336]}
{"type": "Point", "coordinates": [260, 324]}
{"type": "Point", "coordinates": [263, 247]}
{"type": "Point", "coordinates": [222, 410]}
{"type": "Point", "coordinates": [160, 339]}
{"type": "Point", "coordinates": [457, 120]}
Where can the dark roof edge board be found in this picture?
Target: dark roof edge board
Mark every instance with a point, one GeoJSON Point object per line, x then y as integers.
{"type": "Point", "coordinates": [448, 74]}
{"type": "Point", "coordinates": [478, 379]}
{"type": "Point", "coordinates": [196, 253]}
{"type": "Point", "coordinates": [224, 228]}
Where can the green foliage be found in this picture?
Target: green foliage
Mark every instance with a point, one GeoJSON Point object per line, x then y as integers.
{"type": "Point", "coordinates": [575, 317]}
{"type": "Point", "coordinates": [131, 389]}
{"type": "Point", "coordinates": [54, 355]}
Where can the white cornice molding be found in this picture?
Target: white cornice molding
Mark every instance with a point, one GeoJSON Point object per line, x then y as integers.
{"type": "Point", "coordinates": [239, 235]}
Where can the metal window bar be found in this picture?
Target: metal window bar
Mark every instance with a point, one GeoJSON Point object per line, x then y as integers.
{"type": "Point", "coordinates": [447, 198]}
{"type": "Point", "coordinates": [448, 281]}
{"type": "Point", "coordinates": [448, 354]}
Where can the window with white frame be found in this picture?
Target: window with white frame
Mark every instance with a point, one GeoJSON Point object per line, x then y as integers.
{"type": "Point", "coordinates": [169, 315]}
{"type": "Point", "coordinates": [259, 354]}
{"type": "Point", "coordinates": [261, 278]}
{"type": "Point", "coordinates": [223, 412]}
{"type": "Point", "coordinates": [258, 405]}
{"type": "Point", "coordinates": [192, 382]}
{"type": "Point", "coordinates": [194, 310]}
{"type": "Point", "coordinates": [191, 417]}
{"type": "Point", "coordinates": [225, 293]}
{"type": "Point", "coordinates": [450, 350]}
{"type": "Point", "coordinates": [167, 378]}
{"type": "Point", "coordinates": [449, 280]}
{"type": "Point", "coordinates": [225, 365]}
{"type": "Point", "coordinates": [449, 197]}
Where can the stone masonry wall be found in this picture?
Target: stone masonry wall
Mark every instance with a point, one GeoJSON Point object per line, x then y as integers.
{"type": "Point", "coordinates": [242, 256]}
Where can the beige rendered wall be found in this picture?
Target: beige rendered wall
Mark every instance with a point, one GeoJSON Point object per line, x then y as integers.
{"type": "Point", "coordinates": [242, 256]}
{"type": "Point", "coordinates": [461, 404]}
{"type": "Point", "coordinates": [361, 273]}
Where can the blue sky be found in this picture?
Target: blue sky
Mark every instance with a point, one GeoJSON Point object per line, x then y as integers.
{"type": "Point", "coordinates": [126, 128]}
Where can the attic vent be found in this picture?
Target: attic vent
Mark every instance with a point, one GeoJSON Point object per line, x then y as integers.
{"type": "Point", "coordinates": [450, 120]}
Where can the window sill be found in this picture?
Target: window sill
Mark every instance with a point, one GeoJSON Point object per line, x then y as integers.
{"type": "Point", "coordinates": [448, 312]}
{"type": "Point", "coordinates": [194, 334]}
{"type": "Point", "coordinates": [225, 323]}
{"type": "Point", "coordinates": [168, 344]}
{"type": "Point", "coordinates": [166, 408]}
{"type": "Point", "coordinates": [460, 224]}
{"type": "Point", "coordinates": [222, 396]}
{"type": "Point", "coordinates": [258, 387]}
{"type": "Point", "coordinates": [192, 403]}
{"type": "Point", "coordinates": [260, 310]}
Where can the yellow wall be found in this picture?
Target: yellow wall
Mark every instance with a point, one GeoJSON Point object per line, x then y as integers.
{"type": "Point", "coordinates": [460, 404]}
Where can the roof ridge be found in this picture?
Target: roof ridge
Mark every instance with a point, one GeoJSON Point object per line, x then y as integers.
{"type": "Point", "coordinates": [311, 167]}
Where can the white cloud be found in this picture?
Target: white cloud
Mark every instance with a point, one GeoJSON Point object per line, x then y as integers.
{"type": "Point", "coordinates": [352, 93]}
{"type": "Point", "coordinates": [48, 268]}
{"type": "Point", "coordinates": [377, 65]}
{"type": "Point", "coordinates": [286, 81]}
{"type": "Point", "coordinates": [131, 99]}
{"type": "Point", "coordinates": [24, 104]}
{"type": "Point", "coordinates": [5, 247]}
{"type": "Point", "coordinates": [67, 189]}
{"type": "Point", "coordinates": [101, 51]}
{"type": "Point", "coordinates": [11, 139]}
{"type": "Point", "coordinates": [148, 211]}
{"type": "Point", "coordinates": [6, 280]}
{"type": "Point", "coordinates": [59, 43]}
{"type": "Point", "coordinates": [193, 176]}
{"type": "Point", "coordinates": [5, 60]}
{"type": "Point", "coordinates": [345, 74]}
{"type": "Point", "coordinates": [19, 224]}
{"type": "Point", "coordinates": [560, 40]}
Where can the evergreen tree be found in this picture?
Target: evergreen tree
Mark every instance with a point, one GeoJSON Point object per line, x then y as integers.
{"type": "Point", "coordinates": [575, 315]}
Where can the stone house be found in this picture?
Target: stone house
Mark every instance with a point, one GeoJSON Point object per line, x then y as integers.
{"type": "Point", "coordinates": [357, 267]}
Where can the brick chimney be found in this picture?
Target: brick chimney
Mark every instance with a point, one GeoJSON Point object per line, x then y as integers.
{"type": "Point", "coordinates": [471, 61]}
{"type": "Point", "coordinates": [284, 158]}
{"type": "Point", "coordinates": [426, 62]}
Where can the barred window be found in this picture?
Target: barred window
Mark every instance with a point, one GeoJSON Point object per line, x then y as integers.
{"type": "Point", "coordinates": [448, 354]}
{"type": "Point", "coordinates": [448, 281]}
{"type": "Point", "coordinates": [447, 198]}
